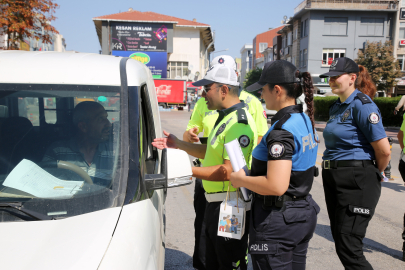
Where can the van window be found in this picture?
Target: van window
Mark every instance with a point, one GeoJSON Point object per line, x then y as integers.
{"type": "Point", "coordinates": [59, 149]}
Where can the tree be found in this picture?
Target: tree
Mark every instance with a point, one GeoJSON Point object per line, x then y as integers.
{"type": "Point", "coordinates": [252, 77]}
{"type": "Point", "coordinates": [21, 19]}
{"type": "Point", "coordinates": [379, 60]}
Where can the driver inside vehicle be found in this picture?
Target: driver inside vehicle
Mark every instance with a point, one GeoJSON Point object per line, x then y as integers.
{"type": "Point", "coordinates": [91, 147]}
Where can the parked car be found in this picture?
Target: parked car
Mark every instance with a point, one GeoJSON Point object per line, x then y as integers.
{"type": "Point", "coordinates": [58, 214]}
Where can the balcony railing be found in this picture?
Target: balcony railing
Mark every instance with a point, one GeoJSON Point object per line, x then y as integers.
{"type": "Point", "coordinates": [348, 4]}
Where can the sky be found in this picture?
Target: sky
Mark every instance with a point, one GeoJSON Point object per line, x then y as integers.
{"type": "Point", "coordinates": [235, 22]}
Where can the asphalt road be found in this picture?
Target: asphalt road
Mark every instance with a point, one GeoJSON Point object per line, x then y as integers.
{"type": "Point", "coordinates": [383, 242]}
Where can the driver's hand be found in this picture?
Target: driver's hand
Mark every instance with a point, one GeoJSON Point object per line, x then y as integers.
{"type": "Point", "coordinates": [192, 135]}
{"type": "Point", "coordinates": [169, 142]}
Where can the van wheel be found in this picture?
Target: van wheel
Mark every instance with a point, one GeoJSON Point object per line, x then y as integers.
{"type": "Point", "coordinates": [164, 105]}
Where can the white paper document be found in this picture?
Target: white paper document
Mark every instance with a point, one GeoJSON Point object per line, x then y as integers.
{"type": "Point", "coordinates": [32, 179]}
{"type": "Point", "coordinates": [238, 162]}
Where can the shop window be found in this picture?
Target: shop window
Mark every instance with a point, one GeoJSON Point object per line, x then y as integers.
{"type": "Point", "coordinates": [335, 26]}
{"type": "Point", "coordinates": [371, 26]}
{"type": "Point", "coordinates": [328, 55]}
{"type": "Point", "coordinates": [178, 70]}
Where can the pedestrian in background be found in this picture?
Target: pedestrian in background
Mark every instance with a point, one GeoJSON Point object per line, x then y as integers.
{"type": "Point", "coordinates": [283, 215]}
{"type": "Point", "coordinates": [233, 122]}
{"type": "Point", "coordinates": [189, 101]}
{"type": "Point", "coordinates": [357, 152]}
{"type": "Point", "coordinates": [401, 104]}
{"type": "Point", "coordinates": [203, 120]}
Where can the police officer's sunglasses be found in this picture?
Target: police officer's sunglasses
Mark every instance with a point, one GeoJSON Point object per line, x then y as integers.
{"type": "Point", "coordinates": [206, 89]}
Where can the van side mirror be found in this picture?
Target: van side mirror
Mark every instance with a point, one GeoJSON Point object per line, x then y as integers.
{"type": "Point", "coordinates": [175, 171]}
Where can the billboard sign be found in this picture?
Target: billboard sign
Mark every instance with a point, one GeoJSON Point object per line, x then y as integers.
{"type": "Point", "coordinates": [155, 61]}
{"type": "Point", "coordinates": [139, 36]}
{"type": "Point", "coordinates": [402, 42]}
{"type": "Point", "coordinates": [170, 91]}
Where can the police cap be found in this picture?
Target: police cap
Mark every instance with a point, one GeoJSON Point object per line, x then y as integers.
{"type": "Point", "coordinates": [341, 66]}
{"type": "Point", "coordinates": [276, 72]}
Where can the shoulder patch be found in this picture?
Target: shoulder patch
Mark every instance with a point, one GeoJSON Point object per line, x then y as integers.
{"type": "Point", "coordinates": [364, 98]}
{"type": "Point", "coordinates": [264, 114]}
{"type": "Point", "coordinates": [373, 118]}
{"type": "Point", "coordinates": [242, 117]}
{"type": "Point", "coordinates": [244, 141]}
{"type": "Point", "coordinates": [277, 149]}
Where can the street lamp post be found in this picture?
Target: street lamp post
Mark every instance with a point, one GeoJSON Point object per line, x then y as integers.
{"type": "Point", "coordinates": [217, 52]}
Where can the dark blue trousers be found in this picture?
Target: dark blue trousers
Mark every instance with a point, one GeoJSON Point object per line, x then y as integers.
{"type": "Point", "coordinates": [279, 237]}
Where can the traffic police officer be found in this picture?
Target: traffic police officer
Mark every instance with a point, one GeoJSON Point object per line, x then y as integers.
{"type": "Point", "coordinates": [233, 122]}
{"type": "Point", "coordinates": [203, 119]}
{"type": "Point", "coordinates": [357, 151]}
{"type": "Point", "coordinates": [283, 215]}
{"type": "Point", "coordinates": [401, 168]}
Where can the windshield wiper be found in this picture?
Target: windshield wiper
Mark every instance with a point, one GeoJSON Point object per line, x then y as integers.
{"type": "Point", "coordinates": [33, 214]}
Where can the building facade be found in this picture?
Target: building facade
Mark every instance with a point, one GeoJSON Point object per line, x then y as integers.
{"type": "Point", "coordinates": [260, 43]}
{"type": "Point", "coordinates": [171, 47]}
{"type": "Point", "coordinates": [246, 60]}
{"type": "Point", "coordinates": [329, 29]}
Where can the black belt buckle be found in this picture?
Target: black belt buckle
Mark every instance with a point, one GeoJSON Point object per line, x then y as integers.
{"type": "Point", "coordinates": [326, 164]}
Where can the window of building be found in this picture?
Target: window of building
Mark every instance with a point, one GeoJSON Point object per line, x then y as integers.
{"type": "Point", "coordinates": [336, 26]}
{"type": "Point", "coordinates": [306, 28]}
{"type": "Point", "coordinates": [371, 26]}
{"type": "Point", "coordinates": [401, 30]}
{"type": "Point", "coordinates": [178, 70]}
{"type": "Point", "coordinates": [263, 46]}
{"type": "Point", "coordinates": [305, 57]}
{"type": "Point", "coordinates": [401, 60]}
{"type": "Point", "coordinates": [289, 39]}
{"type": "Point", "coordinates": [301, 59]}
{"type": "Point", "coordinates": [302, 29]}
{"type": "Point", "coordinates": [328, 55]}
{"type": "Point", "coordinates": [295, 33]}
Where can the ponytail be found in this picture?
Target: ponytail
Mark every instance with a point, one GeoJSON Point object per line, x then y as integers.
{"type": "Point", "coordinates": [308, 89]}
{"type": "Point", "coordinates": [364, 82]}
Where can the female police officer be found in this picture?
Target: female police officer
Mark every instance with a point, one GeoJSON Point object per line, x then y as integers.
{"type": "Point", "coordinates": [354, 138]}
{"type": "Point", "coordinates": [283, 216]}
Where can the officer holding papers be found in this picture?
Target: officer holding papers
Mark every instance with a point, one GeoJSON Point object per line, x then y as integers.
{"type": "Point", "coordinates": [233, 122]}
{"type": "Point", "coordinates": [283, 215]}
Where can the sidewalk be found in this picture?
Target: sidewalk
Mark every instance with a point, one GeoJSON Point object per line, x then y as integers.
{"type": "Point", "coordinates": [391, 131]}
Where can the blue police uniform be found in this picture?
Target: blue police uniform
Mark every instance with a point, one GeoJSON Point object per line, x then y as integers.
{"type": "Point", "coordinates": [351, 180]}
{"type": "Point", "coordinates": [281, 227]}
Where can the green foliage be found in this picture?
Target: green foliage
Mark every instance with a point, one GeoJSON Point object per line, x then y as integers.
{"type": "Point", "coordinates": [378, 58]}
{"type": "Point", "coordinates": [385, 104]}
{"type": "Point", "coordinates": [252, 77]}
{"type": "Point", "coordinates": [321, 107]}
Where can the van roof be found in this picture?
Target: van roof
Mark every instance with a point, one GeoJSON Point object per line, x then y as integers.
{"type": "Point", "coordinates": [67, 68]}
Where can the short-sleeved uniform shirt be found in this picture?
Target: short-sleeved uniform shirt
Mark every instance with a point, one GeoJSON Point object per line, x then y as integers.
{"type": "Point", "coordinates": [100, 170]}
{"type": "Point", "coordinates": [290, 137]}
{"type": "Point", "coordinates": [227, 130]}
{"type": "Point", "coordinates": [205, 119]}
{"type": "Point", "coordinates": [403, 129]}
{"type": "Point", "coordinates": [352, 126]}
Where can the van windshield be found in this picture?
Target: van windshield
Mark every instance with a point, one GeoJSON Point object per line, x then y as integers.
{"type": "Point", "coordinates": [59, 149]}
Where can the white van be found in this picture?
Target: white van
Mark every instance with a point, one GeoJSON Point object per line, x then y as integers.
{"type": "Point", "coordinates": [60, 208]}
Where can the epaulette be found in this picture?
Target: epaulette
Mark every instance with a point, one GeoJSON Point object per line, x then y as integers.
{"type": "Point", "coordinates": [242, 117]}
{"type": "Point", "coordinates": [364, 98]}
